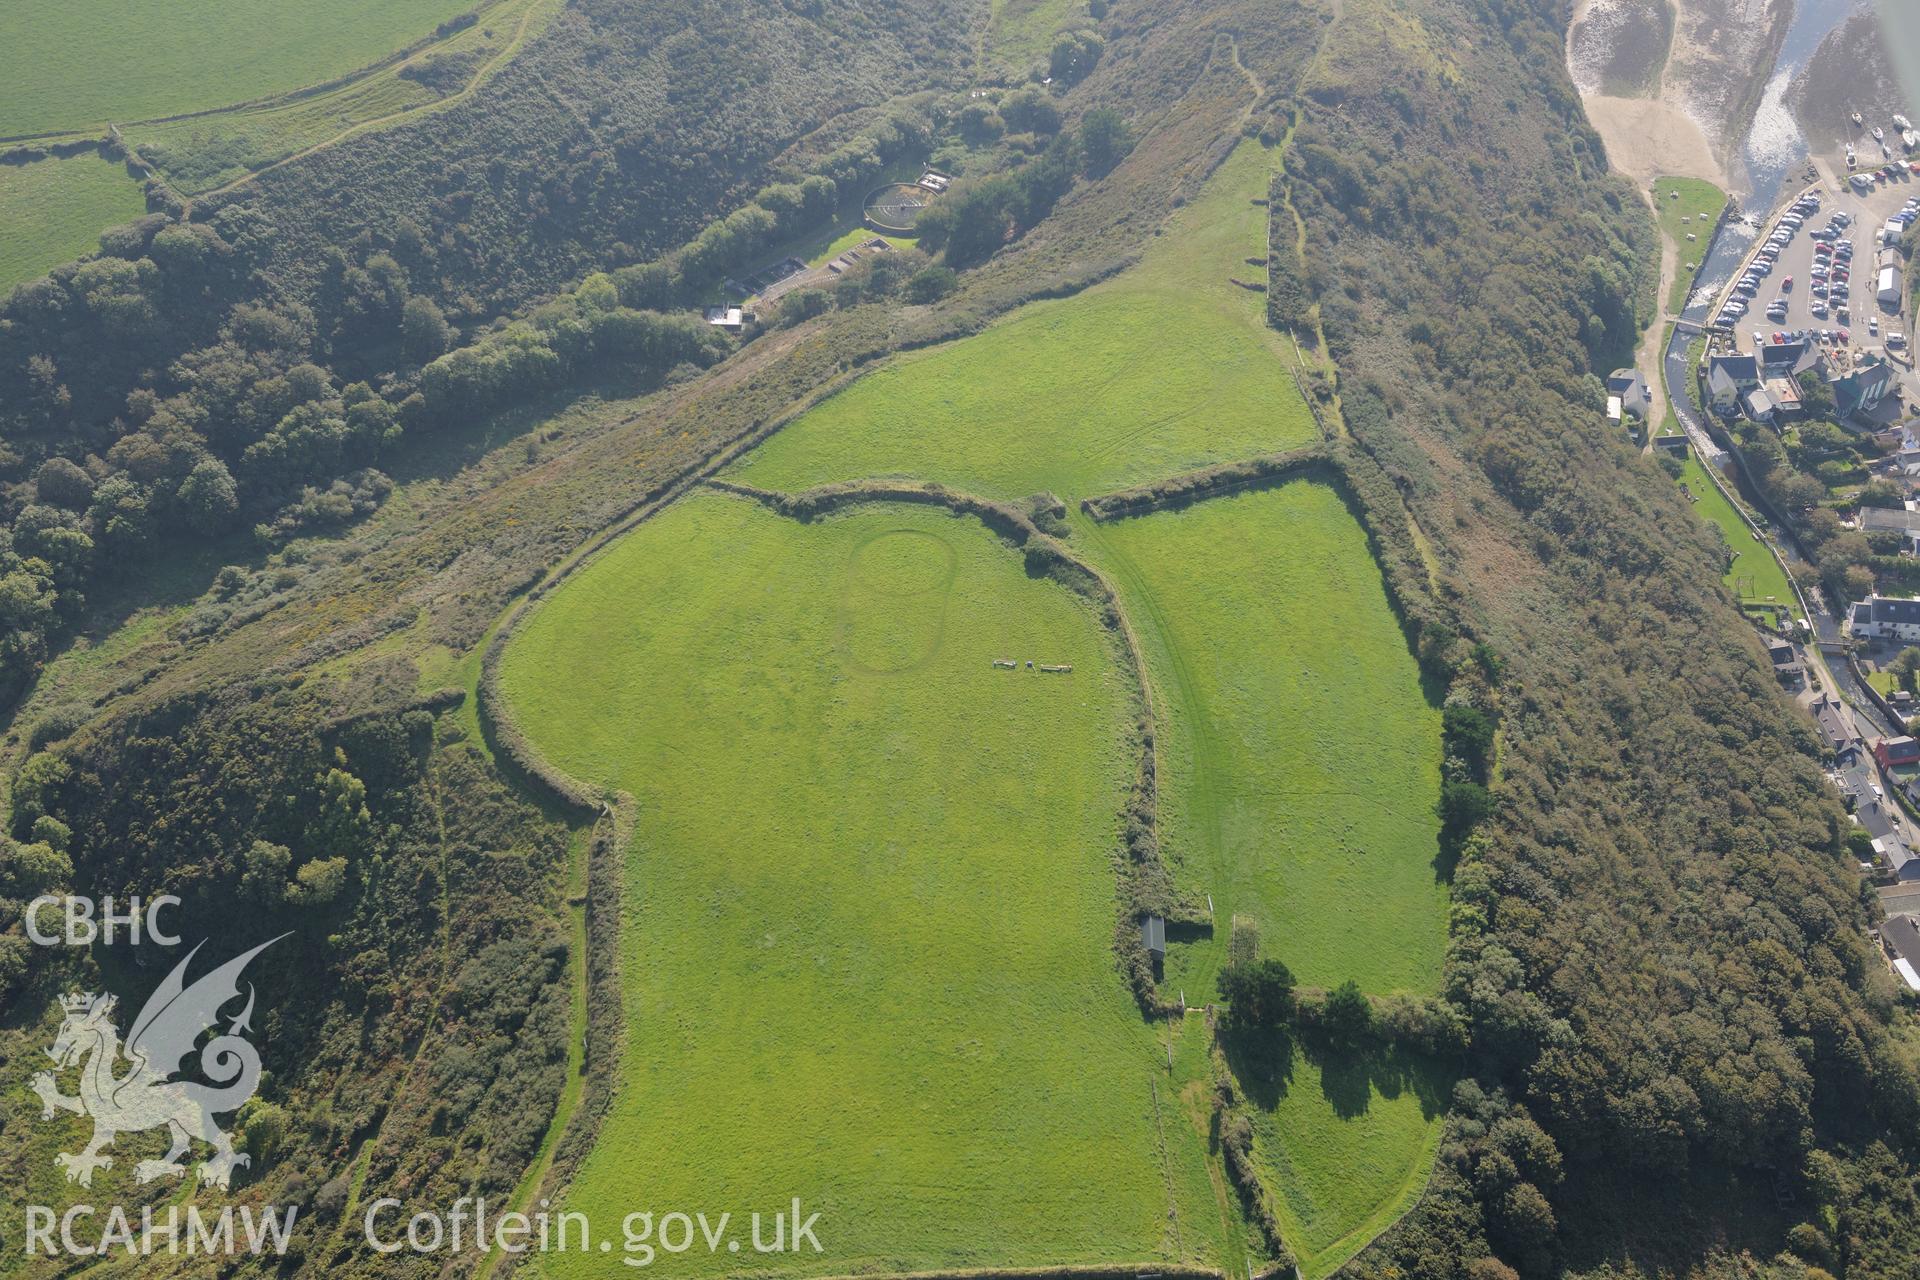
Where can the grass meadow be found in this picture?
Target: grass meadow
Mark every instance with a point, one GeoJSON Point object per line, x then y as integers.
{"type": "Point", "coordinates": [873, 897]}
{"type": "Point", "coordinates": [1300, 761]}
{"type": "Point", "coordinates": [77, 66]}
{"type": "Point", "coordinates": [53, 210]}
{"type": "Point", "coordinates": [1683, 207]}
{"type": "Point", "coordinates": [1752, 573]}
{"type": "Point", "coordinates": [1303, 757]}
{"type": "Point", "coordinates": [1344, 1146]}
{"type": "Point", "coordinates": [1165, 368]}
{"type": "Point", "coordinates": [866, 941]}
{"type": "Point", "coordinates": [204, 153]}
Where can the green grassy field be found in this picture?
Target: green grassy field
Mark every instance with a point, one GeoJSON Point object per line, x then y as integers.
{"type": "Point", "coordinates": [1682, 216]}
{"type": "Point", "coordinates": [1754, 573]}
{"type": "Point", "coordinates": [1299, 763]}
{"type": "Point", "coordinates": [1303, 758]}
{"type": "Point", "coordinates": [1165, 368]}
{"type": "Point", "coordinates": [53, 210]}
{"type": "Point", "coordinates": [866, 940]}
{"type": "Point", "coordinates": [203, 153]}
{"type": "Point", "coordinates": [773, 725]}
{"type": "Point", "coordinates": [76, 66]}
{"type": "Point", "coordinates": [1344, 1147]}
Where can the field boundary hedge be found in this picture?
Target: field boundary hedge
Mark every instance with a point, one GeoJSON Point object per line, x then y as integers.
{"type": "Point", "coordinates": [606, 1028]}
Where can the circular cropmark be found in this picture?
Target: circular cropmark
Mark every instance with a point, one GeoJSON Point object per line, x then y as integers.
{"type": "Point", "coordinates": [902, 562]}
{"type": "Point", "coordinates": [893, 609]}
{"type": "Point", "coordinates": [897, 206]}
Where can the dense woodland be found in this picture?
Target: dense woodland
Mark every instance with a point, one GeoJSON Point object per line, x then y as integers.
{"type": "Point", "coordinates": [1659, 939]}
{"type": "Point", "coordinates": [1680, 1053]}
{"type": "Point", "coordinates": [411, 920]}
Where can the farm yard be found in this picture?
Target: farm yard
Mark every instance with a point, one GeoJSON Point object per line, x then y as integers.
{"type": "Point", "coordinates": [52, 211]}
{"type": "Point", "coordinates": [871, 896]}
{"type": "Point", "coordinates": [860, 835]}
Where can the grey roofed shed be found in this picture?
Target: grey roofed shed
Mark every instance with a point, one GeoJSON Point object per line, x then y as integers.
{"type": "Point", "coordinates": [1153, 932]}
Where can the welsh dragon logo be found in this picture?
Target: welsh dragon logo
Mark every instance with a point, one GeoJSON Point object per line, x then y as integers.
{"type": "Point", "coordinates": [147, 1097]}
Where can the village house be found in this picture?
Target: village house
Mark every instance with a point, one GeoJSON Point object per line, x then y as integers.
{"type": "Point", "coordinates": [1894, 520]}
{"type": "Point", "coordinates": [1729, 374]}
{"type": "Point", "coordinates": [1895, 752]}
{"type": "Point", "coordinates": [1881, 617]}
{"type": "Point", "coordinates": [1626, 385]}
{"type": "Point", "coordinates": [1788, 359]}
{"type": "Point", "coordinates": [1786, 663]}
{"type": "Point", "coordinates": [1862, 390]}
{"type": "Point", "coordinates": [1834, 728]}
{"type": "Point", "coordinates": [1900, 935]}
{"type": "Point", "coordinates": [1758, 405]}
{"type": "Point", "coordinates": [1880, 819]}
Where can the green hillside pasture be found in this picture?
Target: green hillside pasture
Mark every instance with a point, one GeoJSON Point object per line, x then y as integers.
{"type": "Point", "coordinates": [53, 210]}
{"type": "Point", "coordinates": [203, 153]}
{"type": "Point", "coordinates": [1303, 757]}
{"type": "Point", "coordinates": [1300, 764]}
{"type": "Point", "coordinates": [867, 923]}
{"type": "Point", "coordinates": [1166, 368]}
{"type": "Point", "coordinates": [78, 64]}
{"type": "Point", "coordinates": [1343, 1146]}
{"type": "Point", "coordinates": [1680, 216]}
{"type": "Point", "coordinates": [1753, 573]}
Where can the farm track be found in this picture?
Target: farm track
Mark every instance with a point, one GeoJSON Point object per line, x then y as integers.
{"type": "Point", "coordinates": [1207, 763]}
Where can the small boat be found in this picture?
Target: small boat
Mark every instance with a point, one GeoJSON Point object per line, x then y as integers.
{"type": "Point", "coordinates": [1879, 134]}
{"type": "Point", "coordinates": [1902, 123]}
{"type": "Point", "coordinates": [1909, 139]}
{"type": "Point", "coordinates": [1856, 119]}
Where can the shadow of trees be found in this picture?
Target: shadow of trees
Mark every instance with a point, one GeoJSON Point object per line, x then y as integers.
{"type": "Point", "coordinates": [1350, 1075]}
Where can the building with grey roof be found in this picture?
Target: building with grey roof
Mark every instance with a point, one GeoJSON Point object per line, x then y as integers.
{"type": "Point", "coordinates": [1881, 617]}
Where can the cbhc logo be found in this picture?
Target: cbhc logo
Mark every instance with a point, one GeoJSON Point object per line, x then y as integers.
{"type": "Point", "coordinates": [81, 928]}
